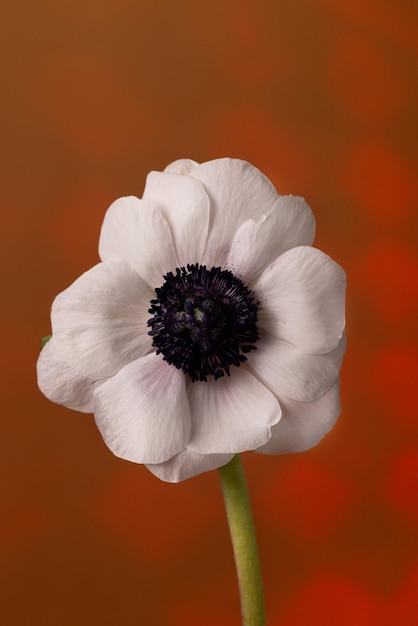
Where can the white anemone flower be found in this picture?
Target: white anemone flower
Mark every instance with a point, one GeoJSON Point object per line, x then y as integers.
{"type": "Point", "coordinates": [210, 327]}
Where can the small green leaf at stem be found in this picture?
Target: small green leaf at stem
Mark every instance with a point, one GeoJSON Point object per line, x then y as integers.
{"type": "Point", "coordinates": [45, 340]}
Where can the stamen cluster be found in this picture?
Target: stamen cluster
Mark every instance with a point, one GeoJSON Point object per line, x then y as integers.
{"type": "Point", "coordinates": [203, 321]}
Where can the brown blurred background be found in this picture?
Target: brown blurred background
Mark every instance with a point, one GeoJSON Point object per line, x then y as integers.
{"type": "Point", "coordinates": [321, 96]}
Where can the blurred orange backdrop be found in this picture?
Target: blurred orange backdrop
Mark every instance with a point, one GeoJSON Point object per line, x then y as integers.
{"type": "Point", "coordinates": [321, 96]}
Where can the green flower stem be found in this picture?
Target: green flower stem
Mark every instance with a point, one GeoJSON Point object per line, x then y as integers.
{"type": "Point", "coordinates": [244, 542]}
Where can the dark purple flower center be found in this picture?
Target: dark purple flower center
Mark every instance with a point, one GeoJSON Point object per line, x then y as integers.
{"type": "Point", "coordinates": [203, 321]}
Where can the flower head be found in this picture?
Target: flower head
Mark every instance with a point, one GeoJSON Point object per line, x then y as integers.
{"type": "Point", "coordinates": [211, 325]}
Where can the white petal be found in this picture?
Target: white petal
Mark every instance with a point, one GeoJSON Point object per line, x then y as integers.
{"type": "Point", "coordinates": [257, 244]}
{"type": "Point", "coordinates": [303, 424]}
{"type": "Point", "coordinates": [142, 412]}
{"type": "Point", "coordinates": [237, 191]}
{"type": "Point", "coordinates": [302, 298]}
{"type": "Point", "coordinates": [181, 166]}
{"type": "Point", "coordinates": [288, 372]}
{"type": "Point", "coordinates": [61, 384]}
{"type": "Point", "coordinates": [231, 414]}
{"type": "Point", "coordinates": [187, 464]}
{"type": "Point", "coordinates": [100, 322]}
{"type": "Point", "coordinates": [136, 231]}
{"type": "Point", "coordinates": [185, 205]}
